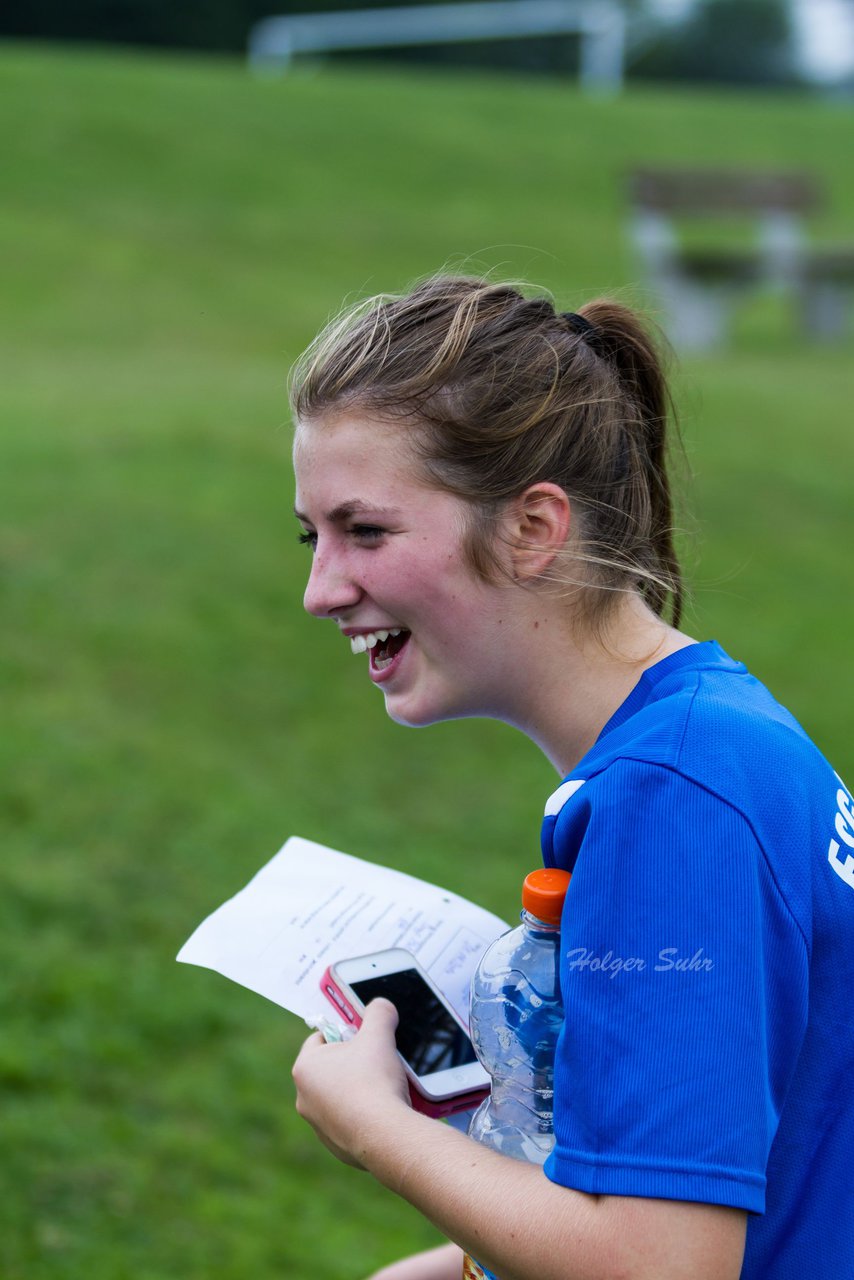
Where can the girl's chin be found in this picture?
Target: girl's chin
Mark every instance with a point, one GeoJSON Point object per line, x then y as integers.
{"type": "Point", "coordinates": [415, 714]}
{"type": "Point", "coordinates": [410, 716]}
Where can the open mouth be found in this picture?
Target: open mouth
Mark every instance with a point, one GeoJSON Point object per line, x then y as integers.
{"type": "Point", "coordinates": [382, 646]}
{"type": "Point", "coordinates": [384, 652]}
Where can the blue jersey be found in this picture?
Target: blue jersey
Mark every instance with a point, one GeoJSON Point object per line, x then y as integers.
{"type": "Point", "coordinates": [707, 961]}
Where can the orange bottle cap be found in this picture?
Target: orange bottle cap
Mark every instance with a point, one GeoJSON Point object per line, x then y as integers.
{"type": "Point", "coordinates": [543, 892]}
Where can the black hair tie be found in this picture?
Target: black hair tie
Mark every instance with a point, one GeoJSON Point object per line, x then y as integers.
{"type": "Point", "coordinates": [581, 325]}
{"type": "Point", "coordinates": [589, 333]}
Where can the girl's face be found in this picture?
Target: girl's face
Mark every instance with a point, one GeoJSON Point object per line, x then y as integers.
{"type": "Point", "coordinates": [389, 569]}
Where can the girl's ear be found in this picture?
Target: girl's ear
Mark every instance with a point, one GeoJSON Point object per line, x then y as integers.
{"type": "Point", "coordinates": [536, 527]}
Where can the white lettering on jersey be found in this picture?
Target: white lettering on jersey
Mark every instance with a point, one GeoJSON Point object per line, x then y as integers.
{"type": "Point", "coordinates": [844, 824]}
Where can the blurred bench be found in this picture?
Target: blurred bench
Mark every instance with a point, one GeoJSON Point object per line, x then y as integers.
{"type": "Point", "coordinates": [699, 284]}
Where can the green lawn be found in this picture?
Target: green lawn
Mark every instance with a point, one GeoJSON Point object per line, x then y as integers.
{"type": "Point", "coordinates": [172, 233]}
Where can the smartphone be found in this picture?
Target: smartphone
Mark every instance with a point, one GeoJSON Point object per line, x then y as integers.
{"type": "Point", "coordinates": [444, 1074]}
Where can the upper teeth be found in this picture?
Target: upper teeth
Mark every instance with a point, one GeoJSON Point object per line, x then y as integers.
{"type": "Point", "coordinates": [358, 644]}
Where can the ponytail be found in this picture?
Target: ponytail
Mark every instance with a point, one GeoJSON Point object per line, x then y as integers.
{"type": "Point", "coordinates": [627, 344]}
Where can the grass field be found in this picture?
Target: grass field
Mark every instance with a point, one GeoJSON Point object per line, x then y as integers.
{"type": "Point", "coordinates": [172, 234]}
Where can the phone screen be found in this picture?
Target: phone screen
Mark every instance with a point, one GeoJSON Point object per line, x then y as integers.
{"type": "Point", "coordinates": [427, 1036]}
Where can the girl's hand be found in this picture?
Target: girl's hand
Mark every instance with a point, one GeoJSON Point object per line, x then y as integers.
{"type": "Point", "coordinates": [347, 1090]}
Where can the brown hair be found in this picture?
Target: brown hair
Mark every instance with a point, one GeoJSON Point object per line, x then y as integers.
{"type": "Point", "coordinates": [504, 392]}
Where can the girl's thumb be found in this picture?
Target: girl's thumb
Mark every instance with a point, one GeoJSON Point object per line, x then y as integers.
{"type": "Point", "coordinates": [381, 1012]}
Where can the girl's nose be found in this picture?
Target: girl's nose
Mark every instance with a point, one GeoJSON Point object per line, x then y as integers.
{"type": "Point", "coordinates": [330, 590]}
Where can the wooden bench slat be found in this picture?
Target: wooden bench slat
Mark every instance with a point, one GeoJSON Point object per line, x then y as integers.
{"type": "Point", "coordinates": [722, 191]}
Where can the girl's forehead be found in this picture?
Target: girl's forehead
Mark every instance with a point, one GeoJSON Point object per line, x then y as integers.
{"type": "Point", "coordinates": [339, 434]}
{"type": "Point", "coordinates": [357, 445]}
{"type": "Point", "coordinates": [357, 458]}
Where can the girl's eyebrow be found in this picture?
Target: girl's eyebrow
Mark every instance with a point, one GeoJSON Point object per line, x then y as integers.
{"type": "Point", "coordinates": [354, 507]}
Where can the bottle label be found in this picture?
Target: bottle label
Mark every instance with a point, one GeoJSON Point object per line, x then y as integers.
{"type": "Point", "coordinates": [474, 1271]}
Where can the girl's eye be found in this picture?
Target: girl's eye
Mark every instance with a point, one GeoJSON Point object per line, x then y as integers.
{"type": "Point", "coordinates": [367, 532]}
{"type": "Point", "coordinates": [307, 539]}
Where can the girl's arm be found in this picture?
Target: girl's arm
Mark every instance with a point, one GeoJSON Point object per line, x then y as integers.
{"type": "Point", "coordinates": [505, 1213]}
{"type": "Point", "coordinates": [443, 1263]}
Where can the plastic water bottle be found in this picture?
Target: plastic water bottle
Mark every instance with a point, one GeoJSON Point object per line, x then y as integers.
{"type": "Point", "coordinates": [516, 1016]}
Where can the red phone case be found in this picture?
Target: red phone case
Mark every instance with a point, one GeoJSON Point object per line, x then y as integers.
{"type": "Point", "coordinates": [428, 1107]}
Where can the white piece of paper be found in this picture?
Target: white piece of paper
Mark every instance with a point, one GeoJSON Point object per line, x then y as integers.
{"type": "Point", "coordinates": [311, 906]}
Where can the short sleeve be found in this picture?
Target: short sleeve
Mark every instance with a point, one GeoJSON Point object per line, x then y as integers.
{"type": "Point", "coordinates": [684, 980]}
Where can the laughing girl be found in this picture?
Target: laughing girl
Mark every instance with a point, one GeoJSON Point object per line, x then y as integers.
{"type": "Point", "coordinates": [483, 484]}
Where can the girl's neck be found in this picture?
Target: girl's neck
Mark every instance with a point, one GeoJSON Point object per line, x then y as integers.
{"type": "Point", "coordinates": [581, 682]}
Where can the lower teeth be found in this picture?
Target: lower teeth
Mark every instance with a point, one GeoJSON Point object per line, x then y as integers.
{"type": "Point", "coordinates": [385, 652]}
